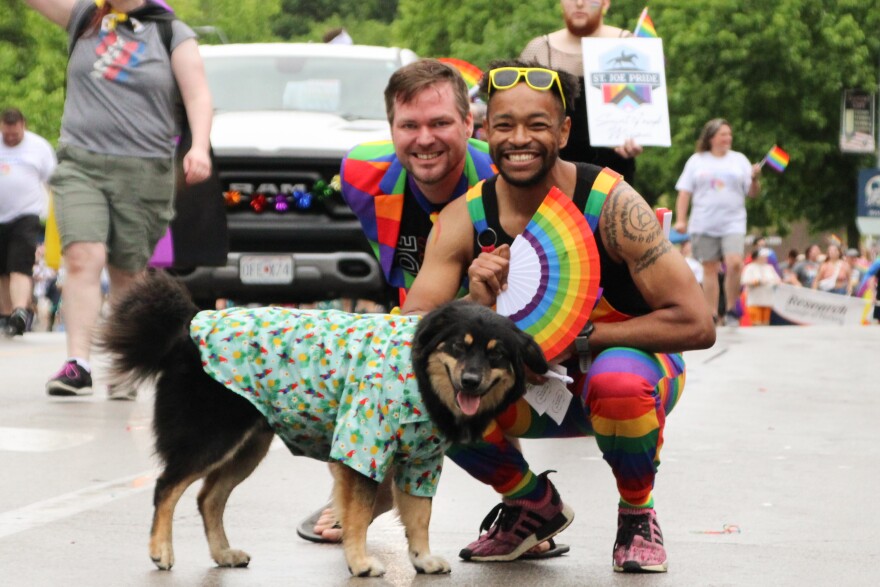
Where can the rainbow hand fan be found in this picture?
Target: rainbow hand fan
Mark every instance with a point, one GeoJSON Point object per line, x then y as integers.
{"type": "Point", "coordinates": [553, 279]}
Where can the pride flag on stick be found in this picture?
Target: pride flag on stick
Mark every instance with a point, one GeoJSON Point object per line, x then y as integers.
{"type": "Point", "coordinates": [776, 158]}
{"type": "Point", "coordinates": [645, 26]}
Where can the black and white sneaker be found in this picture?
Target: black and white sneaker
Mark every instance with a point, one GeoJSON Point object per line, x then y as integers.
{"type": "Point", "coordinates": [71, 379]}
{"type": "Point", "coordinates": [16, 323]}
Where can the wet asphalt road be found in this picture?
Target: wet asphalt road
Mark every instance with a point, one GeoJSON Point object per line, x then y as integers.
{"type": "Point", "coordinates": [768, 476]}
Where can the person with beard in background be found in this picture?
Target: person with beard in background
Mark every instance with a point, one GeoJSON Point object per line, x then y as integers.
{"type": "Point", "coordinates": [561, 50]}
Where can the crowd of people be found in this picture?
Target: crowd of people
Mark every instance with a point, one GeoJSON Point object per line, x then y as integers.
{"type": "Point", "coordinates": [833, 271]}
{"type": "Point", "coordinates": [711, 212]}
{"type": "Point", "coordinates": [844, 274]}
{"type": "Point", "coordinates": [627, 367]}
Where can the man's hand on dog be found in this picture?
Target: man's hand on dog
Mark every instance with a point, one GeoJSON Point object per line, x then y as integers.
{"type": "Point", "coordinates": [487, 276]}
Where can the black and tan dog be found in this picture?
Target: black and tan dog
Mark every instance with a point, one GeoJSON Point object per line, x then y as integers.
{"type": "Point", "coordinates": [467, 361]}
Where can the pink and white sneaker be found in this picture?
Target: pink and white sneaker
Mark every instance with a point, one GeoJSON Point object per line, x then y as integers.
{"type": "Point", "coordinates": [639, 544]}
{"type": "Point", "coordinates": [516, 525]}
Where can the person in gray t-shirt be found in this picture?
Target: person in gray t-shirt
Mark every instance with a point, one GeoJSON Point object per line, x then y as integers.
{"type": "Point", "coordinates": [114, 184]}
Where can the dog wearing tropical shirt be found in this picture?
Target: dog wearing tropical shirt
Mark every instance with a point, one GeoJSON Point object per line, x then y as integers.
{"type": "Point", "coordinates": [362, 391]}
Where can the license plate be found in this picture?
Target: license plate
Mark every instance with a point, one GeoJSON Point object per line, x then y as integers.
{"type": "Point", "coordinates": [266, 269]}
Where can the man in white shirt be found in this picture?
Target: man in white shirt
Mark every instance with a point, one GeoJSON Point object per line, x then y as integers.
{"type": "Point", "coordinates": [26, 162]}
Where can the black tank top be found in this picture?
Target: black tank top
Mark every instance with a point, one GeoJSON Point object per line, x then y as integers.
{"type": "Point", "coordinates": [618, 287]}
{"type": "Point", "coordinates": [415, 224]}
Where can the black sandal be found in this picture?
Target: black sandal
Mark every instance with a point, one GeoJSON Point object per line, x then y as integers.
{"type": "Point", "coordinates": [306, 528]}
{"type": "Point", "coordinates": [554, 551]}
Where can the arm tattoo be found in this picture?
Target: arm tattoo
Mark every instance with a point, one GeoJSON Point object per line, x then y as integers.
{"type": "Point", "coordinates": [609, 213]}
{"type": "Point", "coordinates": [628, 217]}
{"type": "Point", "coordinates": [651, 255]}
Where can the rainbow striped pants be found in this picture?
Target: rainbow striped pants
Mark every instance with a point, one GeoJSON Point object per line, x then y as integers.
{"type": "Point", "coordinates": [622, 401]}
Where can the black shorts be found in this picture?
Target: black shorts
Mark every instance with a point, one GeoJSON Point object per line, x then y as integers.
{"type": "Point", "coordinates": [18, 244]}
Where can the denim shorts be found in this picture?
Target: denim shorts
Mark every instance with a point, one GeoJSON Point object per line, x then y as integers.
{"type": "Point", "coordinates": [124, 202]}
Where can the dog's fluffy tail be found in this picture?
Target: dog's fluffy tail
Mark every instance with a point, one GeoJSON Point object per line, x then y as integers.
{"type": "Point", "coordinates": [146, 328]}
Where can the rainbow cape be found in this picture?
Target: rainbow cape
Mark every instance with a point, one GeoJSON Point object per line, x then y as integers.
{"type": "Point", "coordinates": [645, 26]}
{"type": "Point", "coordinates": [776, 158]}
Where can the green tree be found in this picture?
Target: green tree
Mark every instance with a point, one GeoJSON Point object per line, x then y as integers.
{"type": "Point", "coordinates": [32, 57]}
{"type": "Point", "coordinates": [774, 70]}
{"type": "Point", "coordinates": [474, 30]}
{"type": "Point", "coordinates": [479, 31]}
{"type": "Point", "coordinates": [311, 18]}
{"type": "Point", "coordinates": [242, 21]}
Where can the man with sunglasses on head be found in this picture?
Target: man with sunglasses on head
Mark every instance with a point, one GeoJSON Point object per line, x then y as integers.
{"type": "Point", "coordinates": [561, 50]}
{"type": "Point", "coordinates": [626, 363]}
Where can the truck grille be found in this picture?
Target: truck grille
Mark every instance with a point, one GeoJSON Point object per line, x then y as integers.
{"type": "Point", "coordinates": [282, 190]}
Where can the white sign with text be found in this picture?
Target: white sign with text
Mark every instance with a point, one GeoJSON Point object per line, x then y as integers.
{"type": "Point", "coordinates": [626, 93]}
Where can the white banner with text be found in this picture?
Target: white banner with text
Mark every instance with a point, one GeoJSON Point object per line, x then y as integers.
{"type": "Point", "coordinates": [802, 305]}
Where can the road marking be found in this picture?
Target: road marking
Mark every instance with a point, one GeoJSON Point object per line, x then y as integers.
{"type": "Point", "coordinates": [57, 508]}
{"type": "Point", "coordinates": [40, 440]}
{"type": "Point", "coordinates": [715, 356]}
{"type": "Point", "coordinates": [93, 497]}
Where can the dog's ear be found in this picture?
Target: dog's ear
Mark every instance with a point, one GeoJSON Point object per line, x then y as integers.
{"type": "Point", "coordinates": [531, 353]}
{"type": "Point", "coordinates": [433, 327]}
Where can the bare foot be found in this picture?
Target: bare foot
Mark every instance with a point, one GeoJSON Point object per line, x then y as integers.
{"type": "Point", "coordinates": [328, 526]}
{"type": "Point", "coordinates": [539, 548]}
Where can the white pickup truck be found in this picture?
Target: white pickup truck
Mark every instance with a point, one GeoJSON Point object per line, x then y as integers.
{"type": "Point", "coordinates": [285, 115]}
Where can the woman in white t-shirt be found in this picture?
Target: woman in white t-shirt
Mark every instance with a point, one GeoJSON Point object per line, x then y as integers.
{"type": "Point", "coordinates": [714, 185]}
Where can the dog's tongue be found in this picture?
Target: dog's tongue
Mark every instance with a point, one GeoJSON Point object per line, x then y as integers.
{"type": "Point", "coordinates": [468, 403]}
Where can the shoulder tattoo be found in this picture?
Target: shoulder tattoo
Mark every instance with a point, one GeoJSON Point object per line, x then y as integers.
{"type": "Point", "coordinates": [629, 220]}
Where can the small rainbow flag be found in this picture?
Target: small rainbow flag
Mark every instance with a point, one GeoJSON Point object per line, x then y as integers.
{"type": "Point", "coordinates": [470, 72]}
{"type": "Point", "coordinates": [645, 26]}
{"type": "Point", "coordinates": [776, 158]}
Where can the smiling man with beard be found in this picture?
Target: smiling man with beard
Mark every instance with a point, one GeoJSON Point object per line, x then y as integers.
{"type": "Point", "coordinates": [561, 50]}
{"type": "Point", "coordinates": [396, 188]}
{"type": "Point", "coordinates": [627, 368]}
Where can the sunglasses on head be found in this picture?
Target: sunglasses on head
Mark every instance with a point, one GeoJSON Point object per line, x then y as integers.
{"type": "Point", "coordinates": [537, 78]}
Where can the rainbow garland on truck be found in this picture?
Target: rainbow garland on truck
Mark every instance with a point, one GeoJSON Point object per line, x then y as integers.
{"type": "Point", "coordinates": [295, 198]}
